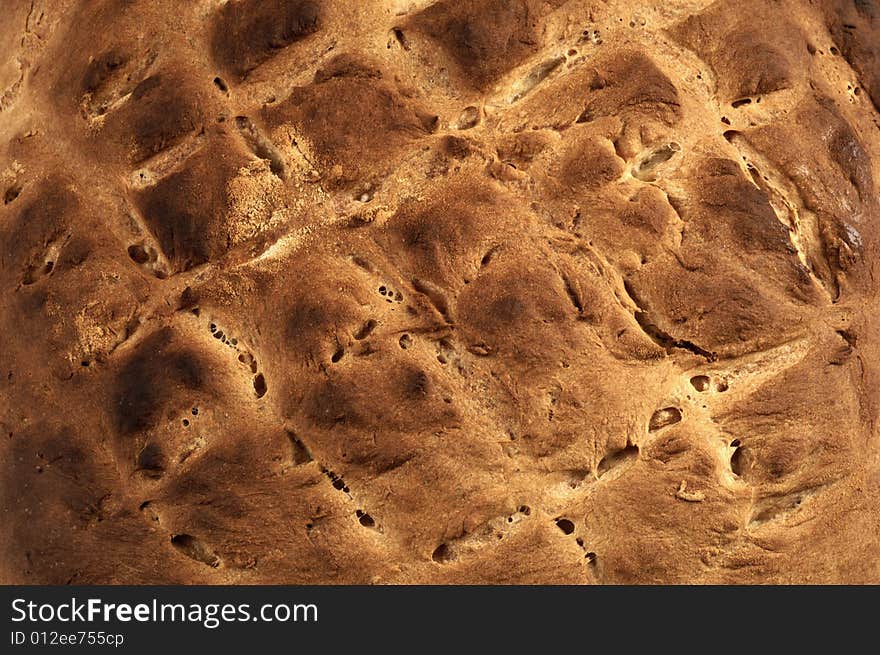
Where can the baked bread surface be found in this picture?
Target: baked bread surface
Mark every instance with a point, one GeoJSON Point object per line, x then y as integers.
{"type": "Point", "coordinates": [477, 291]}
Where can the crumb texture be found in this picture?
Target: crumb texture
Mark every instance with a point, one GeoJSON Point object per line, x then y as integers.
{"type": "Point", "coordinates": [453, 291]}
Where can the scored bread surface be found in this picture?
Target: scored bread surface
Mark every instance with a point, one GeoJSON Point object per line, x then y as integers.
{"type": "Point", "coordinates": [456, 291]}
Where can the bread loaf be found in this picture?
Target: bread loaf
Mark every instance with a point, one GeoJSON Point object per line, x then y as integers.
{"type": "Point", "coordinates": [454, 291]}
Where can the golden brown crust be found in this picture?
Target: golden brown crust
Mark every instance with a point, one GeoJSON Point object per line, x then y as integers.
{"type": "Point", "coordinates": [419, 292]}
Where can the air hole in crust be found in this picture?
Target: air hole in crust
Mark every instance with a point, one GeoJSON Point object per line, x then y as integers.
{"type": "Point", "coordinates": [11, 193]}
{"type": "Point", "coordinates": [654, 159]}
{"type": "Point", "coordinates": [365, 519]}
{"type": "Point", "coordinates": [664, 417]}
{"type": "Point", "coordinates": [195, 549]}
{"type": "Point", "coordinates": [337, 482]}
{"type": "Point", "coordinates": [401, 38]}
{"type": "Point", "coordinates": [469, 118]}
{"type": "Point", "coordinates": [617, 458]}
{"type": "Point", "coordinates": [300, 453]}
{"type": "Point", "coordinates": [431, 122]}
{"type": "Point", "coordinates": [138, 254]}
{"type": "Point", "coordinates": [442, 554]}
{"type": "Point", "coordinates": [245, 358]}
{"type": "Point", "coordinates": [700, 382]}
{"type": "Point", "coordinates": [742, 102]}
{"type": "Point", "coordinates": [565, 525]}
{"type": "Point", "coordinates": [260, 387]}
{"type": "Point", "coordinates": [737, 459]}
{"type": "Point", "coordinates": [260, 145]}
{"type": "Point", "coordinates": [220, 84]}
{"type": "Point", "coordinates": [730, 135]}
{"type": "Point", "coordinates": [756, 175]}
{"type": "Point", "coordinates": [487, 258]}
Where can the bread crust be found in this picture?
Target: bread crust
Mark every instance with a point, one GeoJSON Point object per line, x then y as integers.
{"type": "Point", "coordinates": [478, 291]}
